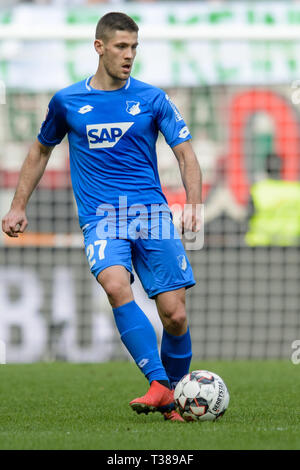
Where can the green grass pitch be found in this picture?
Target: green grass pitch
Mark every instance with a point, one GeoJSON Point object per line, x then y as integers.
{"type": "Point", "coordinates": [85, 406]}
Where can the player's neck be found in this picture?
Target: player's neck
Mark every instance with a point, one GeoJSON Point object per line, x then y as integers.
{"type": "Point", "coordinates": [103, 81]}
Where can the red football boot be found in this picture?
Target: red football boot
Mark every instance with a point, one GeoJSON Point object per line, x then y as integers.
{"type": "Point", "coordinates": [173, 416]}
{"type": "Point", "coordinates": [158, 398]}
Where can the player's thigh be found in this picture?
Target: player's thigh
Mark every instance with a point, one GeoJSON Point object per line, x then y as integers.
{"type": "Point", "coordinates": [104, 253]}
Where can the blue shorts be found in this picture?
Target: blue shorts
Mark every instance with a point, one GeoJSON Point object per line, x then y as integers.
{"type": "Point", "coordinates": [158, 256]}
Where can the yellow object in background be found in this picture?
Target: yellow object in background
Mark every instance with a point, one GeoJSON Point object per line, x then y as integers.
{"type": "Point", "coordinates": [276, 217]}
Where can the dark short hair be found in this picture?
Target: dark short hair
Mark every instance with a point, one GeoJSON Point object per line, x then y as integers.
{"type": "Point", "coordinates": [114, 21]}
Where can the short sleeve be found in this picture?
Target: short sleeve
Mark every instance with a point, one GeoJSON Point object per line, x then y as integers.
{"type": "Point", "coordinates": [169, 121]}
{"type": "Point", "coordinates": [54, 128]}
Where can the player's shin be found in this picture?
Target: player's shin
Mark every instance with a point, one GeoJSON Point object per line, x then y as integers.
{"type": "Point", "coordinates": [138, 336]}
{"type": "Point", "coordinates": [176, 355]}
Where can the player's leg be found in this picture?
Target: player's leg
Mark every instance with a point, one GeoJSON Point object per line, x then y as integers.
{"type": "Point", "coordinates": [136, 331]}
{"type": "Point", "coordinates": [176, 351]}
{"type": "Point", "coordinates": [175, 355]}
{"type": "Point", "coordinates": [165, 272]}
{"type": "Point", "coordinates": [138, 335]}
{"type": "Point", "coordinates": [110, 263]}
{"type": "Point", "coordinates": [176, 346]}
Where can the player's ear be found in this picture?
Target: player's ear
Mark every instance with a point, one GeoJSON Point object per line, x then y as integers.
{"type": "Point", "coordinates": [98, 44]}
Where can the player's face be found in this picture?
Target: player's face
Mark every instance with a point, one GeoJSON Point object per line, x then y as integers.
{"type": "Point", "coordinates": [118, 53]}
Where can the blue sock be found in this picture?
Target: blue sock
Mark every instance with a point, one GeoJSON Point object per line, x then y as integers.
{"type": "Point", "coordinates": [176, 355]}
{"type": "Point", "coordinates": [138, 335]}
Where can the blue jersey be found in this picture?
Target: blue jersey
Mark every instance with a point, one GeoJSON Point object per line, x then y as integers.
{"type": "Point", "coordinates": [112, 138]}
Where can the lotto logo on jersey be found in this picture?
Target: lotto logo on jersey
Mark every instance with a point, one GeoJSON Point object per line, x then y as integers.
{"type": "Point", "coordinates": [106, 135]}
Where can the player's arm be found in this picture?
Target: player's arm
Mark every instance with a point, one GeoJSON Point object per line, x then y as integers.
{"type": "Point", "coordinates": [15, 221]}
{"type": "Point", "coordinates": [192, 181]}
{"type": "Point", "coordinates": [177, 135]}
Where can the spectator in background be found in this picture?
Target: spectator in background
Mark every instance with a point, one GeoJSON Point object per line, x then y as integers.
{"type": "Point", "coordinates": [274, 209]}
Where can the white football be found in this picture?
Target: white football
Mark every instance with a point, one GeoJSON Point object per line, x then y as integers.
{"type": "Point", "coordinates": [201, 395]}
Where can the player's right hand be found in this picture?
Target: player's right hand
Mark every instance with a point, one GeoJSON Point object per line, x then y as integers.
{"type": "Point", "coordinates": [191, 219]}
{"type": "Point", "coordinates": [14, 222]}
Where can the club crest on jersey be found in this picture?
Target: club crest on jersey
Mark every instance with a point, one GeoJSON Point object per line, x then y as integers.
{"type": "Point", "coordinates": [182, 262]}
{"type": "Point", "coordinates": [106, 135]}
{"type": "Point", "coordinates": [133, 107]}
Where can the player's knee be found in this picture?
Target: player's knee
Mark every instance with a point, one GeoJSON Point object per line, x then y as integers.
{"type": "Point", "coordinates": [175, 320]}
{"type": "Point", "coordinates": [116, 283]}
{"type": "Point", "coordinates": [178, 323]}
{"type": "Point", "coordinates": [118, 292]}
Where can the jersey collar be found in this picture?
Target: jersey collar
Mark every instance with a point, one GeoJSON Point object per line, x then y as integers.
{"type": "Point", "coordinates": [89, 88]}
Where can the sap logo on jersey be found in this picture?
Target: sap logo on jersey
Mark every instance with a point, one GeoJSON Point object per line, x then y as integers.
{"type": "Point", "coordinates": [106, 135]}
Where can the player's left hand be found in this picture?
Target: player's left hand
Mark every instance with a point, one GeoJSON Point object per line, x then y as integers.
{"type": "Point", "coordinates": [191, 219]}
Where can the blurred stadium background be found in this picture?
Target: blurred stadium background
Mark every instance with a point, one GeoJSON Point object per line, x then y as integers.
{"type": "Point", "coordinates": [239, 94]}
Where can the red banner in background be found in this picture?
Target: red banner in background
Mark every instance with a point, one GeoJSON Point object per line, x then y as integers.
{"type": "Point", "coordinates": [287, 137]}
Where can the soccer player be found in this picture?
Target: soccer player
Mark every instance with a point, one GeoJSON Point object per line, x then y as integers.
{"type": "Point", "coordinates": [112, 121]}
